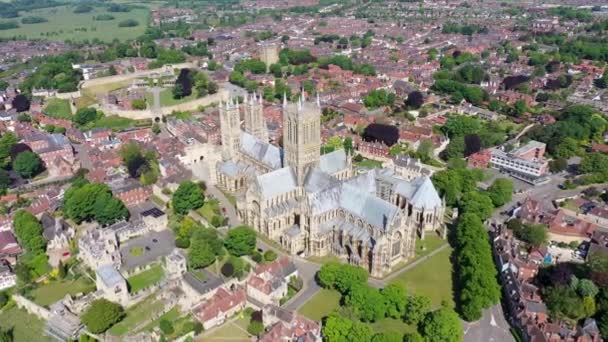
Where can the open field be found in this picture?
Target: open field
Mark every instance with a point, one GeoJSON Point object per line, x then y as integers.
{"type": "Point", "coordinates": [63, 24]}
{"type": "Point", "coordinates": [58, 108]}
{"type": "Point", "coordinates": [103, 89]}
{"type": "Point", "coordinates": [25, 327]}
{"type": "Point", "coordinates": [145, 279]}
{"type": "Point", "coordinates": [54, 291]}
{"type": "Point", "coordinates": [321, 305]}
{"type": "Point", "coordinates": [431, 278]}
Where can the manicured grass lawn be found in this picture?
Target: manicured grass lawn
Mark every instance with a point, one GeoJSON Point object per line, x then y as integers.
{"type": "Point", "coordinates": [54, 291]}
{"type": "Point", "coordinates": [64, 24]}
{"type": "Point", "coordinates": [115, 123]}
{"type": "Point", "coordinates": [58, 108]}
{"type": "Point", "coordinates": [136, 315]}
{"type": "Point", "coordinates": [25, 327]}
{"type": "Point", "coordinates": [431, 278]}
{"type": "Point", "coordinates": [368, 163]}
{"type": "Point", "coordinates": [321, 305]}
{"type": "Point", "coordinates": [145, 279]}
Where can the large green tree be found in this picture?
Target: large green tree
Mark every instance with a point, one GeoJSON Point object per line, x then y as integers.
{"type": "Point", "coordinates": [188, 196]}
{"type": "Point", "coordinates": [27, 164]}
{"type": "Point", "coordinates": [342, 329]}
{"type": "Point", "coordinates": [200, 253]}
{"type": "Point", "coordinates": [342, 277]}
{"type": "Point", "coordinates": [395, 298]}
{"type": "Point", "coordinates": [85, 115]}
{"type": "Point", "coordinates": [101, 315]}
{"type": "Point", "coordinates": [442, 325]}
{"type": "Point", "coordinates": [500, 191]}
{"type": "Point", "coordinates": [240, 240]}
{"type": "Point", "coordinates": [367, 302]}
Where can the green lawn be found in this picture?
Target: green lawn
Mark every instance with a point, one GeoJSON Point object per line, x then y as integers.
{"type": "Point", "coordinates": [232, 331]}
{"type": "Point", "coordinates": [105, 88]}
{"type": "Point", "coordinates": [321, 305]}
{"type": "Point", "coordinates": [115, 123]}
{"type": "Point", "coordinates": [423, 247]}
{"type": "Point", "coordinates": [145, 279]}
{"type": "Point", "coordinates": [48, 294]}
{"type": "Point", "coordinates": [431, 278]}
{"type": "Point", "coordinates": [25, 327]}
{"type": "Point", "coordinates": [170, 315]}
{"type": "Point", "coordinates": [136, 315]}
{"type": "Point", "coordinates": [58, 108]}
{"type": "Point", "coordinates": [394, 325]}
{"type": "Point", "coordinates": [166, 98]}
{"type": "Point", "coordinates": [64, 24]}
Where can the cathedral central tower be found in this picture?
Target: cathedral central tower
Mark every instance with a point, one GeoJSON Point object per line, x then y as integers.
{"type": "Point", "coordinates": [301, 136]}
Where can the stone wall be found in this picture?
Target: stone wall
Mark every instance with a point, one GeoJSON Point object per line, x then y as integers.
{"type": "Point", "coordinates": [126, 77]}
{"type": "Point", "coordinates": [32, 307]}
{"type": "Point", "coordinates": [150, 114]}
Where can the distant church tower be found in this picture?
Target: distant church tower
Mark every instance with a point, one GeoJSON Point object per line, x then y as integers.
{"type": "Point", "coordinates": [230, 126]}
{"type": "Point", "coordinates": [254, 118]}
{"type": "Point", "coordinates": [301, 136]}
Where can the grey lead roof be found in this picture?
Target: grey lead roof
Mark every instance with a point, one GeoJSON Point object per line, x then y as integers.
{"type": "Point", "coordinates": [277, 182]}
{"type": "Point", "coordinates": [109, 275]}
{"type": "Point", "coordinates": [372, 209]}
{"type": "Point", "coordinates": [333, 162]}
{"type": "Point", "coordinates": [264, 152]}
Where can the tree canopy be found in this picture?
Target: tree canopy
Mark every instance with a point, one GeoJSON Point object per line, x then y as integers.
{"type": "Point", "coordinates": [188, 196]}
{"type": "Point", "coordinates": [442, 325]}
{"type": "Point", "coordinates": [240, 240]}
{"type": "Point", "coordinates": [27, 164]}
{"type": "Point", "coordinates": [101, 315]}
{"type": "Point", "coordinates": [85, 201]}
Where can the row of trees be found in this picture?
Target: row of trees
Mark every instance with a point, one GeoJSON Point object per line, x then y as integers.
{"type": "Point", "coordinates": [475, 273]}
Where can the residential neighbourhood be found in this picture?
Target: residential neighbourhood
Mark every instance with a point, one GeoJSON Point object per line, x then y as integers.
{"type": "Point", "coordinates": [303, 171]}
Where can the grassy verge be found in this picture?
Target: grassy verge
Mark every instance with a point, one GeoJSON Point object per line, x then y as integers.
{"type": "Point", "coordinates": [136, 315]}
{"type": "Point", "coordinates": [368, 163]}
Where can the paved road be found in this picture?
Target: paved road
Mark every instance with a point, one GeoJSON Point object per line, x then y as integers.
{"type": "Point", "coordinates": [233, 218]}
{"type": "Point", "coordinates": [156, 94]}
{"type": "Point", "coordinates": [492, 327]}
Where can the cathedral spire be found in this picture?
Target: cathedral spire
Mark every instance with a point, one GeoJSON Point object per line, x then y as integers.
{"type": "Point", "coordinates": [318, 100]}
{"type": "Point", "coordinates": [284, 99]}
